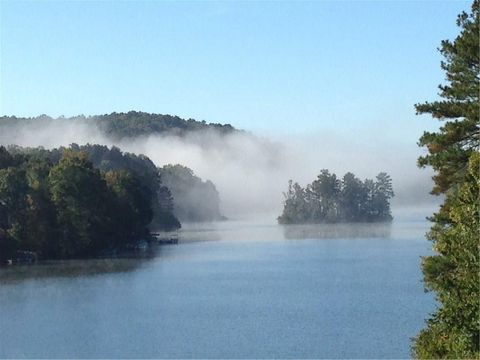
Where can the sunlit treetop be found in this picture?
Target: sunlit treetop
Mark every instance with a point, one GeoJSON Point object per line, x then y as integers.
{"type": "Point", "coordinates": [449, 149]}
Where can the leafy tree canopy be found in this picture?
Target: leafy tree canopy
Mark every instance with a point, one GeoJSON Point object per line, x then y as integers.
{"type": "Point", "coordinates": [59, 204]}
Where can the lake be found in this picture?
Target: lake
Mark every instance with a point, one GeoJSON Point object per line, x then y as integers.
{"type": "Point", "coordinates": [227, 290]}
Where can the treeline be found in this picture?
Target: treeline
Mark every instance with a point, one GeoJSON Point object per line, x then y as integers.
{"type": "Point", "coordinates": [329, 199]}
{"type": "Point", "coordinates": [107, 159]}
{"type": "Point", "coordinates": [194, 200]}
{"type": "Point", "coordinates": [58, 204]}
{"type": "Point", "coordinates": [82, 200]}
{"type": "Point", "coordinates": [121, 125]}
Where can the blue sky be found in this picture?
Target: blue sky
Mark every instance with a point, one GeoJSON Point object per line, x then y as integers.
{"type": "Point", "coordinates": [349, 67]}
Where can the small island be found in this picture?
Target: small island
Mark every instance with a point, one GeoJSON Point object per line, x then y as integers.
{"type": "Point", "coordinates": [329, 199]}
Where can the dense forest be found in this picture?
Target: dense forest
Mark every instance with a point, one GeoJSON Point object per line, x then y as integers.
{"type": "Point", "coordinates": [107, 159]}
{"type": "Point", "coordinates": [194, 200]}
{"type": "Point", "coordinates": [78, 201]}
{"type": "Point", "coordinates": [123, 125]}
{"type": "Point", "coordinates": [329, 199]}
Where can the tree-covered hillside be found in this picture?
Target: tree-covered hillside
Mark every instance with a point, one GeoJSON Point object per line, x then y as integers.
{"type": "Point", "coordinates": [113, 159]}
{"type": "Point", "coordinates": [121, 125]}
{"type": "Point", "coordinates": [59, 205]}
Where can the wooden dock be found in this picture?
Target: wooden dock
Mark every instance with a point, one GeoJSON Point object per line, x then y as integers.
{"type": "Point", "coordinates": [165, 238]}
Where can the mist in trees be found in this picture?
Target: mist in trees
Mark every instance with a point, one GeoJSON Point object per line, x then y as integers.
{"type": "Point", "coordinates": [122, 125]}
{"type": "Point", "coordinates": [329, 199]}
{"type": "Point", "coordinates": [194, 200]}
{"type": "Point", "coordinates": [254, 167]}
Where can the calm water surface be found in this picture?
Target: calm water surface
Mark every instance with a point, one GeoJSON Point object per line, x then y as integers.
{"type": "Point", "coordinates": [227, 290]}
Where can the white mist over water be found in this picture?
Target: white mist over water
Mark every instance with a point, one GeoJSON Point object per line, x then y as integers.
{"type": "Point", "coordinates": [252, 172]}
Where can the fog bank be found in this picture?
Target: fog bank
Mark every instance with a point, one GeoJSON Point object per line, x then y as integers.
{"type": "Point", "coordinates": [251, 172]}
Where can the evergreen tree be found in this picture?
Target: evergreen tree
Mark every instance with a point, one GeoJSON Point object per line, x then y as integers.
{"type": "Point", "coordinates": [382, 194]}
{"type": "Point", "coordinates": [353, 198]}
{"type": "Point", "coordinates": [453, 331]}
{"type": "Point", "coordinates": [329, 200]}
{"type": "Point", "coordinates": [450, 148]}
{"type": "Point", "coordinates": [325, 190]}
{"type": "Point", "coordinates": [295, 208]}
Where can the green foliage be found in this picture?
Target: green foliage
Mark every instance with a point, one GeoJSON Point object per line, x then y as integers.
{"type": "Point", "coordinates": [107, 159]}
{"type": "Point", "coordinates": [453, 331]}
{"type": "Point", "coordinates": [13, 196]}
{"type": "Point", "coordinates": [58, 204]}
{"type": "Point", "coordinates": [6, 159]}
{"type": "Point", "coordinates": [194, 199]}
{"type": "Point", "coordinates": [450, 148]}
{"type": "Point", "coordinates": [136, 123]}
{"type": "Point", "coordinates": [41, 220]}
{"type": "Point", "coordinates": [80, 196]}
{"type": "Point", "coordinates": [328, 200]}
{"type": "Point", "coordinates": [113, 159]}
{"type": "Point", "coordinates": [132, 204]}
{"type": "Point", "coordinates": [121, 125]}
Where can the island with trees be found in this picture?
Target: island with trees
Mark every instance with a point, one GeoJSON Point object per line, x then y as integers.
{"type": "Point", "coordinates": [329, 199]}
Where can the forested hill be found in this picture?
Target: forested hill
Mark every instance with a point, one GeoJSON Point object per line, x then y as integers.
{"type": "Point", "coordinates": [121, 125]}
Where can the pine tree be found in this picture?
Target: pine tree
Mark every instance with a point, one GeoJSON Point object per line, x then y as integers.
{"type": "Point", "coordinates": [453, 331]}
{"type": "Point", "coordinates": [450, 148]}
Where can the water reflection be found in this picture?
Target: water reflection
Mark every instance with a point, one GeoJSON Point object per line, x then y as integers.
{"type": "Point", "coordinates": [73, 268]}
{"type": "Point", "coordinates": [228, 231]}
{"type": "Point", "coordinates": [337, 231]}
{"type": "Point", "coordinates": [251, 295]}
{"type": "Point", "coordinates": [195, 232]}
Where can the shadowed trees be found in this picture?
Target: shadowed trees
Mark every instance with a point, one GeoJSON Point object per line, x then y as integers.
{"type": "Point", "coordinates": [81, 198]}
{"type": "Point", "coordinates": [60, 205]}
{"type": "Point", "coordinates": [113, 159]}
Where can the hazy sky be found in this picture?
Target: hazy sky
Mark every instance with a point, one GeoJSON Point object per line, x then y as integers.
{"type": "Point", "coordinates": [356, 67]}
